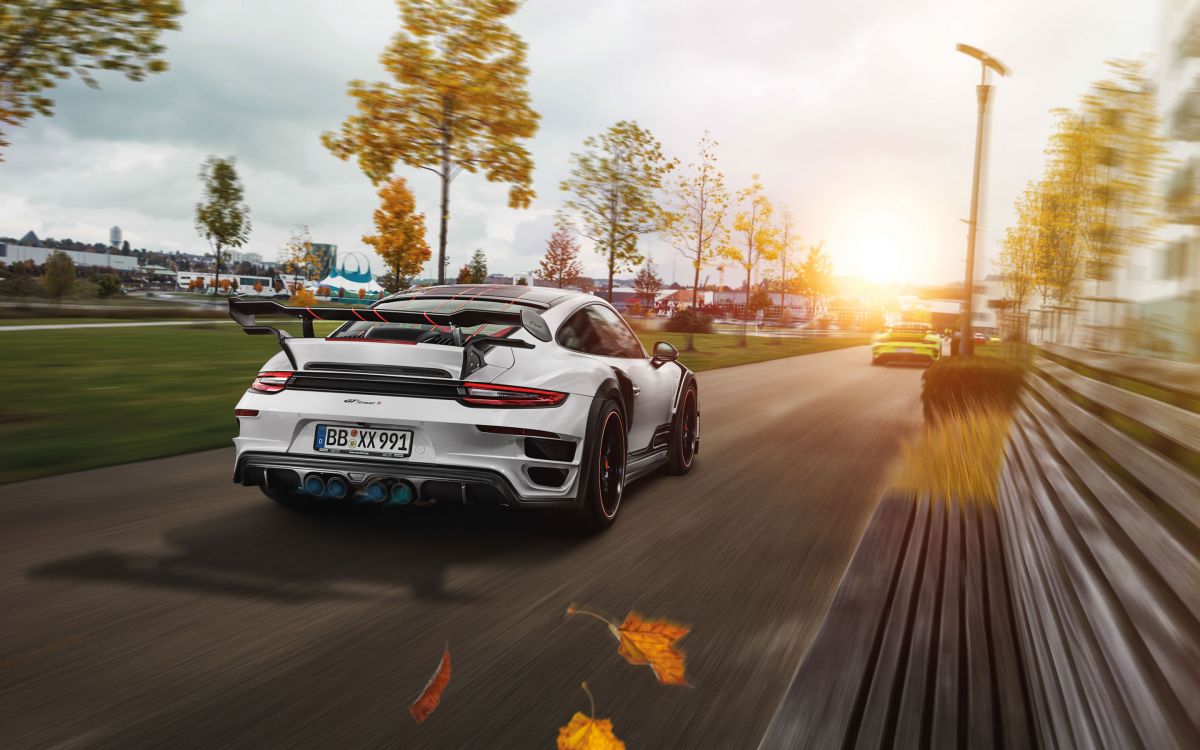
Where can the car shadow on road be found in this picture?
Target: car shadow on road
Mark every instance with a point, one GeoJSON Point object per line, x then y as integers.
{"type": "Point", "coordinates": [263, 551]}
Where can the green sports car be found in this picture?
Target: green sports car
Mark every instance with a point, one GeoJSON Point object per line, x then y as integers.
{"type": "Point", "coordinates": [906, 342]}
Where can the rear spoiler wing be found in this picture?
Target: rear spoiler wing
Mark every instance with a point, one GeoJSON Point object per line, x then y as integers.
{"type": "Point", "coordinates": [245, 313]}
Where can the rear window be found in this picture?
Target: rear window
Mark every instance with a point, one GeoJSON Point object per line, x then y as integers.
{"type": "Point", "coordinates": [911, 328]}
{"type": "Point", "coordinates": [425, 333]}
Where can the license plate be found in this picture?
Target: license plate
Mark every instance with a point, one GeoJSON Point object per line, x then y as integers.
{"type": "Point", "coordinates": [362, 441]}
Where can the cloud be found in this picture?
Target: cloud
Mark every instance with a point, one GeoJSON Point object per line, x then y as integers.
{"type": "Point", "coordinates": [858, 114]}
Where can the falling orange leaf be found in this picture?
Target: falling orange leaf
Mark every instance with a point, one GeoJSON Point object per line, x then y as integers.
{"type": "Point", "coordinates": [648, 642]}
{"type": "Point", "coordinates": [588, 732]}
{"type": "Point", "coordinates": [432, 693]}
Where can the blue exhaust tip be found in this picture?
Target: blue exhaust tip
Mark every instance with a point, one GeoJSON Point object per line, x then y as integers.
{"type": "Point", "coordinates": [336, 488]}
{"type": "Point", "coordinates": [314, 485]}
{"type": "Point", "coordinates": [402, 493]}
{"type": "Point", "coordinates": [375, 492]}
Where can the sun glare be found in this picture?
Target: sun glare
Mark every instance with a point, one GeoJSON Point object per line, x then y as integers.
{"type": "Point", "coordinates": [877, 259]}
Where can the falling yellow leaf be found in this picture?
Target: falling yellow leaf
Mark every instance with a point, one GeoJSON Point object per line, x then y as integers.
{"type": "Point", "coordinates": [650, 642]}
{"type": "Point", "coordinates": [588, 732]}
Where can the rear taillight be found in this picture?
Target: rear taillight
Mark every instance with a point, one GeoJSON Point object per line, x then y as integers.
{"type": "Point", "coordinates": [484, 394]}
{"type": "Point", "coordinates": [272, 381]}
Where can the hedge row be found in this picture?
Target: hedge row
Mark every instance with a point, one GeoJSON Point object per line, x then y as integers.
{"type": "Point", "coordinates": [959, 385]}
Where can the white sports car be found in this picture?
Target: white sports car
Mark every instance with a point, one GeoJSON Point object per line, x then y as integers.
{"type": "Point", "coordinates": [515, 395]}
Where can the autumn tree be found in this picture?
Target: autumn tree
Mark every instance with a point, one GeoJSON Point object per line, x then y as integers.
{"type": "Point", "coordinates": [647, 283]}
{"type": "Point", "coordinates": [222, 218]}
{"type": "Point", "coordinates": [399, 237]}
{"type": "Point", "coordinates": [755, 236]}
{"type": "Point", "coordinates": [815, 277]}
{"type": "Point", "coordinates": [60, 274]}
{"type": "Point", "coordinates": [612, 193]}
{"type": "Point", "coordinates": [297, 257]}
{"type": "Point", "coordinates": [45, 41]}
{"type": "Point", "coordinates": [786, 256]}
{"type": "Point", "coordinates": [1018, 255]}
{"type": "Point", "coordinates": [457, 101]}
{"type": "Point", "coordinates": [560, 265]}
{"type": "Point", "coordinates": [697, 206]}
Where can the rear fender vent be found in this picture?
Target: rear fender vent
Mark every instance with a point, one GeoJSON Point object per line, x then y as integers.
{"type": "Point", "coordinates": [547, 449]}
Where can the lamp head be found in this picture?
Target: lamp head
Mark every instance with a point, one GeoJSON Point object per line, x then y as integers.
{"type": "Point", "coordinates": [983, 57]}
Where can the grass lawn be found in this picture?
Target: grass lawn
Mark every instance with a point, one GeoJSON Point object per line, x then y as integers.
{"type": "Point", "coordinates": [77, 398]}
{"type": "Point", "coordinates": [715, 350]}
{"type": "Point", "coordinates": [5, 322]}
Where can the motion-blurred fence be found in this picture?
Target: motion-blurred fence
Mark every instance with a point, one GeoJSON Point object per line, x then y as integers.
{"type": "Point", "coordinates": [1100, 514]}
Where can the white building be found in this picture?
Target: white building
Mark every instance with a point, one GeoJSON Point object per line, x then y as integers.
{"type": "Point", "coordinates": [1171, 306]}
{"type": "Point", "coordinates": [254, 258]}
{"type": "Point", "coordinates": [19, 253]}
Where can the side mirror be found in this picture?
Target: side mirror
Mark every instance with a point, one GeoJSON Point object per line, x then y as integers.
{"type": "Point", "coordinates": [663, 353]}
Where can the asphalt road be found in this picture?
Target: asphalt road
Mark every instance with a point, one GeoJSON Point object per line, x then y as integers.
{"type": "Point", "coordinates": [158, 605]}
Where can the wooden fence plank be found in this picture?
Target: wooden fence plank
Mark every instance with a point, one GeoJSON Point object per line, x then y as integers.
{"type": "Point", "coordinates": [1149, 573]}
{"type": "Point", "coordinates": [1098, 635]}
{"type": "Point", "coordinates": [980, 679]}
{"type": "Point", "coordinates": [1181, 377]}
{"type": "Point", "coordinates": [950, 672]}
{"type": "Point", "coordinates": [912, 728]}
{"type": "Point", "coordinates": [819, 706]}
{"type": "Point", "coordinates": [1013, 716]}
{"type": "Point", "coordinates": [1054, 615]}
{"type": "Point", "coordinates": [1171, 484]}
{"type": "Point", "coordinates": [1171, 422]}
{"type": "Point", "coordinates": [883, 701]}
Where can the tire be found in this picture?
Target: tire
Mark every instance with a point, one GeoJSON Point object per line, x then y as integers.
{"type": "Point", "coordinates": [603, 481]}
{"type": "Point", "coordinates": [685, 432]}
{"type": "Point", "coordinates": [876, 362]}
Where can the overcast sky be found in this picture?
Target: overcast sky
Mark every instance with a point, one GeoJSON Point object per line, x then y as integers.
{"type": "Point", "coordinates": [858, 114]}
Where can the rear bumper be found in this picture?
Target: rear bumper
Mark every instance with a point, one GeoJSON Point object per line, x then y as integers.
{"type": "Point", "coordinates": [433, 482]}
{"type": "Point", "coordinates": [906, 351]}
{"type": "Point", "coordinates": [446, 436]}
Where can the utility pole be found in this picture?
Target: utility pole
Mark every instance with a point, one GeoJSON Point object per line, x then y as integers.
{"type": "Point", "coordinates": [966, 344]}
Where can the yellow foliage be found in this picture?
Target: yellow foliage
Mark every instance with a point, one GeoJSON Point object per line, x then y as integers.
{"type": "Point", "coordinates": [301, 297]}
{"type": "Point", "coordinates": [399, 237]}
{"type": "Point", "coordinates": [959, 456]}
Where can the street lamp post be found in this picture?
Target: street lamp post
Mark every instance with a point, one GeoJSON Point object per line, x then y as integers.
{"type": "Point", "coordinates": [966, 344]}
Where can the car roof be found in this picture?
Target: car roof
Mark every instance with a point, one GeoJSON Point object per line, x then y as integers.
{"type": "Point", "coordinates": [539, 297]}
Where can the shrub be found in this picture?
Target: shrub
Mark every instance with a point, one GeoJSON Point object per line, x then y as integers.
{"type": "Point", "coordinates": [958, 385]}
{"type": "Point", "coordinates": [302, 298]}
{"type": "Point", "coordinates": [110, 284]}
{"type": "Point", "coordinates": [960, 456]}
{"type": "Point", "coordinates": [690, 321]}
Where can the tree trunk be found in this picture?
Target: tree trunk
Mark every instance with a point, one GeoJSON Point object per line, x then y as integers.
{"type": "Point", "coordinates": [746, 310]}
{"type": "Point", "coordinates": [444, 219]}
{"type": "Point", "coordinates": [217, 278]}
{"type": "Point", "coordinates": [691, 334]}
{"type": "Point", "coordinates": [612, 256]}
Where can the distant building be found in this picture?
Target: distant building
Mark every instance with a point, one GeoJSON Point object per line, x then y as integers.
{"type": "Point", "coordinates": [253, 258]}
{"type": "Point", "coordinates": [114, 237]}
{"type": "Point", "coordinates": [1171, 301]}
{"type": "Point", "coordinates": [39, 255]}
